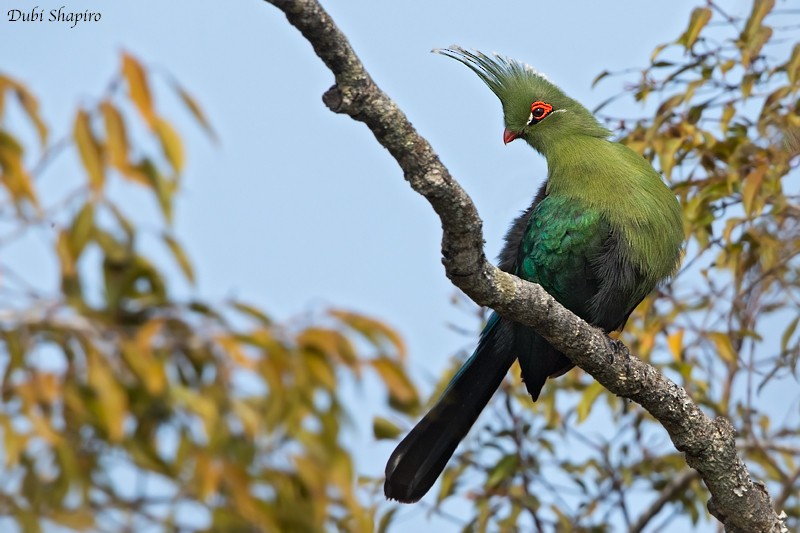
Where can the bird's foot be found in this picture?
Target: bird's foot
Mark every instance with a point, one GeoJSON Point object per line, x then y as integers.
{"type": "Point", "coordinates": [618, 348]}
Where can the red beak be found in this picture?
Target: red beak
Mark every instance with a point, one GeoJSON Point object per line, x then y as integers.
{"type": "Point", "coordinates": [509, 135]}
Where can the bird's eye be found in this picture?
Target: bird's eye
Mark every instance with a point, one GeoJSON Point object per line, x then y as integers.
{"type": "Point", "coordinates": [539, 110]}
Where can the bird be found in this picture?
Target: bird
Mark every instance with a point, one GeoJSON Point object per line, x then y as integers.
{"type": "Point", "coordinates": [602, 232]}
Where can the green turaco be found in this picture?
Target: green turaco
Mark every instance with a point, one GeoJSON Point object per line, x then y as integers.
{"type": "Point", "coordinates": [602, 232]}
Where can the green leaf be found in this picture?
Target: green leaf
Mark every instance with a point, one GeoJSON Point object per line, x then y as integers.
{"type": "Point", "coordinates": [599, 77]}
{"type": "Point", "coordinates": [504, 469]}
{"type": "Point", "coordinates": [787, 334]}
{"type": "Point", "coordinates": [386, 520]}
{"type": "Point", "coordinates": [383, 428]}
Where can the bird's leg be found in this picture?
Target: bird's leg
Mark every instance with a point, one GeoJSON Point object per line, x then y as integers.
{"type": "Point", "coordinates": [617, 346]}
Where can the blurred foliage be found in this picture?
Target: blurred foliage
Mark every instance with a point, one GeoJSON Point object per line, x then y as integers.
{"type": "Point", "coordinates": [124, 407]}
{"type": "Point", "coordinates": [720, 118]}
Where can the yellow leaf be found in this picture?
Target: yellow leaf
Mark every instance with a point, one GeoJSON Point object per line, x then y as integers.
{"type": "Point", "coordinates": [752, 184]}
{"type": "Point", "coordinates": [89, 149]}
{"type": "Point", "coordinates": [375, 331]}
{"type": "Point", "coordinates": [666, 156]}
{"type": "Point", "coordinates": [724, 346]}
{"type": "Point", "coordinates": [116, 137]}
{"type": "Point", "coordinates": [31, 106]}
{"type": "Point", "coordinates": [727, 114]}
{"type": "Point", "coordinates": [252, 311]}
{"type": "Point", "coordinates": [248, 416]}
{"type": "Point", "coordinates": [138, 89]}
{"type": "Point", "coordinates": [112, 401]}
{"type": "Point", "coordinates": [165, 191]}
{"type": "Point", "coordinates": [793, 66]}
{"type": "Point", "coordinates": [170, 143]}
{"type": "Point", "coordinates": [675, 343]}
{"type": "Point", "coordinates": [64, 251]}
{"type": "Point", "coordinates": [47, 386]}
{"type": "Point", "coordinates": [142, 172]}
{"type": "Point", "coordinates": [207, 473]}
{"type": "Point", "coordinates": [14, 442]}
{"type": "Point", "coordinates": [147, 333]}
{"type": "Point", "coordinates": [320, 369]}
{"type": "Point", "coordinates": [81, 229]}
{"type": "Point", "coordinates": [761, 9]}
{"type": "Point", "coordinates": [75, 519]}
{"type": "Point", "coordinates": [142, 362]}
{"type": "Point", "coordinates": [14, 176]}
{"type": "Point", "coordinates": [195, 109]}
{"type": "Point", "coordinates": [4, 82]}
{"type": "Point", "coordinates": [180, 256]}
{"type": "Point", "coordinates": [331, 343]}
{"type": "Point", "coordinates": [588, 398]}
{"type": "Point", "coordinates": [402, 393]}
{"type": "Point", "coordinates": [235, 351]}
{"type": "Point", "coordinates": [700, 17]}
{"type": "Point", "coordinates": [203, 406]}
{"type": "Point", "coordinates": [658, 49]}
{"type": "Point", "coordinates": [122, 220]}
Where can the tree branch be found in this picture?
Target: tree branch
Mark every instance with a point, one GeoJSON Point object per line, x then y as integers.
{"type": "Point", "coordinates": [675, 486]}
{"type": "Point", "coordinates": [709, 445]}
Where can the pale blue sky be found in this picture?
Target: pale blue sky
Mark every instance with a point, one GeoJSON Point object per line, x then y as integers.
{"type": "Point", "coordinates": [299, 208]}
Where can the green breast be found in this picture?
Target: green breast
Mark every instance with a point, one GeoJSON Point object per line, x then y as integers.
{"type": "Point", "coordinates": [562, 239]}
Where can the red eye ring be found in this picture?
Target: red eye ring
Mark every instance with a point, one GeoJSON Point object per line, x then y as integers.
{"type": "Point", "coordinates": [539, 110]}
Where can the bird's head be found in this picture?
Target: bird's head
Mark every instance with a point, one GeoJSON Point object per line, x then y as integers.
{"type": "Point", "coordinates": [534, 108]}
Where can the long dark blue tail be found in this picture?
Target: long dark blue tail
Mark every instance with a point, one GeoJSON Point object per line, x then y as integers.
{"type": "Point", "coordinates": [418, 460]}
{"type": "Point", "coordinates": [420, 457]}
